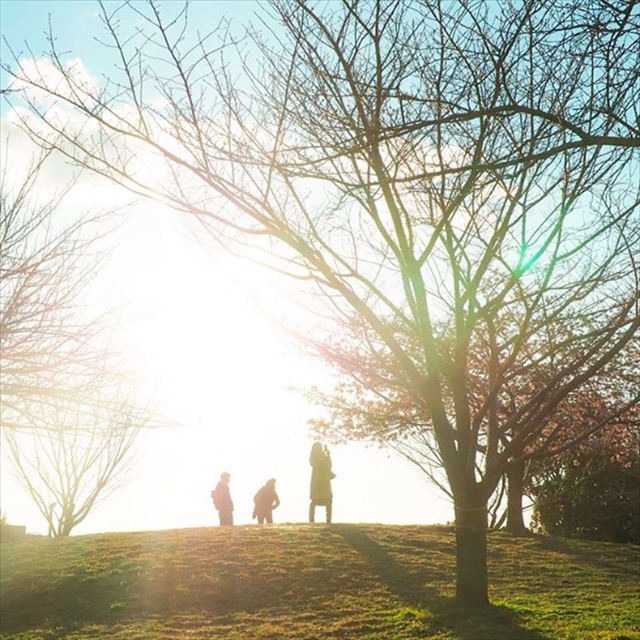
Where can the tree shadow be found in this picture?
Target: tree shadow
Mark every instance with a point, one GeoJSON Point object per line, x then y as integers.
{"type": "Point", "coordinates": [490, 623]}
{"type": "Point", "coordinates": [612, 556]}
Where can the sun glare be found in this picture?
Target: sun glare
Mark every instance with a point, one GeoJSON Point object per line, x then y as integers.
{"type": "Point", "coordinates": [220, 373]}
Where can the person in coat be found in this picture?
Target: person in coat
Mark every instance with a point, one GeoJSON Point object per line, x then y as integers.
{"type": "Point", "coordinates": [222, 500]}
{"type": "Point", "coordinates": [321, 476]}
{"type": "Point", "coordinates": [266, 500]}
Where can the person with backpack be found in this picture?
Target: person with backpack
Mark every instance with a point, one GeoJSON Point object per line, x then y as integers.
{"type": "Point", "coordinates": [222, 500]}
{"type": "Point", "coordinates": [266, 500]}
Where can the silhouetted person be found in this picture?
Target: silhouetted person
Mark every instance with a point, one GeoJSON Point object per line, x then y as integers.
{"type": "Point", "coordinates": [222, 500]}
{"type": "Point", "coordinates": [321, 476]}
{"type": "Point", "coordinates": [266, 500]}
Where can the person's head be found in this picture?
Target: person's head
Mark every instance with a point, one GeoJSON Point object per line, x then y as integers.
{"type": "Point", "coordinates": [225, 477]}
{"type": "Point", "coordinates": [316, 449]}
{"type": "Point", "coordinates": [271, 482]}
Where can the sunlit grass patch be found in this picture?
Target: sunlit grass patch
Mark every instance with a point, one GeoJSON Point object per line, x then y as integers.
{"type": "Point", "coordinates": [343, 581]}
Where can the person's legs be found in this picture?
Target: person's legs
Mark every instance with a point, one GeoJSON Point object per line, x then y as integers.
{"type": "Point", "coordinates": [226, 518]}
{"type": "Point", "coordinates": [269, 517]}
{"type": "Point", "coordinates": [312, 511]}
{"type": "Point", "coordinates": [329, 511]}
{"type": "Point", "coordinates": [260, 518]}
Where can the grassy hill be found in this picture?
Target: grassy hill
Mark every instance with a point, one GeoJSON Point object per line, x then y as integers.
{"type": "Point", "coordinates": [312, 582]}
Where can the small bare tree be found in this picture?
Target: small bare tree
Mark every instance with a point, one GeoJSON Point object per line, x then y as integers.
{"type": "Point", "coordinates": [440, 172]}
{"type": "Point", "coordinates": [74, 457]}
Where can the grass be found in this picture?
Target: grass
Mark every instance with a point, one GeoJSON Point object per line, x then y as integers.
{"type": "Point", "coordinates": [312, 582]}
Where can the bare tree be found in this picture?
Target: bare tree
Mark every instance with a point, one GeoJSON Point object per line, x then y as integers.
{"type": "Point", "coordinates": [436, 170]}
{"type": "Point", "coordinates": [75, 457]}
{"type": "Point", "coordinates": [68, 424]}
{"type": "Point", "coordinates": [48, 352]}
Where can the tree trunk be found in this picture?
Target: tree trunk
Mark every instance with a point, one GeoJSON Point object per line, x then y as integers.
{"type": "Point", "coordinates": [515, 491]}
{"type": "Point", "coordinates": [471, 550]}
{"type": "Point", "coordinates": [567, 490]}
{"type": "Point", "coordinates": [567, 516]}
{"type": "Point", "coordinates": [66, 523]}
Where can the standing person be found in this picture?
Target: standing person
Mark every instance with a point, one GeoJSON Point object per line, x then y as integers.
{"type": "Point", "coordinates": [266, 500]}
{"type": "Point", "coordinates": [222, 500]}
{"type": "Point", "coordinates": [321, 476]}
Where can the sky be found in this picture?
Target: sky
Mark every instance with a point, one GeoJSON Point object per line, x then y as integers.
{"type": "Point", "coordinates": [219, 368]}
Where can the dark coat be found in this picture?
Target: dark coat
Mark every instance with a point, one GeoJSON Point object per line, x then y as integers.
{"type": "Point", "coordinates": [266, 500]}
{"type": "Point", "coordinates": [321, 476]}
{"type": "Point", "coordinates": [222, 497]}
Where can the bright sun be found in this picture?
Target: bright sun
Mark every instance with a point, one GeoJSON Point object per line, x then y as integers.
{"type": "Point", "coordinates": [221, 372]}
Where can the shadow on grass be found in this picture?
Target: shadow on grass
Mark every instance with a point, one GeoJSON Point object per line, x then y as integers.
{"type": "Point", "coordinates": [117, 598]}
{"type": "Point", "coordinates": [412, 587]}
{"type": "Point", "coordinates": [213, 573]}
{"type": "Point", "coordinates": [611, 556]}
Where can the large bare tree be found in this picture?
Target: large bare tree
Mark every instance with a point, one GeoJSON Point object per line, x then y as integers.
{"type": "Point", "coordinates": [438, 171]}
{"type": "Point", "coordinates": [369, 404]}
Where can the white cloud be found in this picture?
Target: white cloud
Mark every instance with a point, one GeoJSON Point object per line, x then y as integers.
{"type": "Point", "coordinates": [72, 80]}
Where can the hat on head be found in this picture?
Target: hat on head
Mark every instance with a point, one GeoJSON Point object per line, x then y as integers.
{"type": "Point", "coordinates": [224, 475]}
